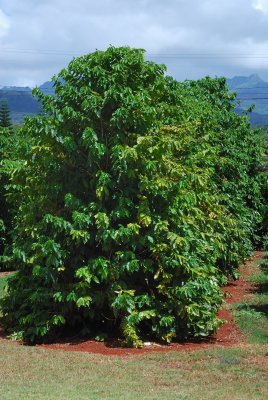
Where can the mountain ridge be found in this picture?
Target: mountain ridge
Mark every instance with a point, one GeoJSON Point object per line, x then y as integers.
{"type": "Point", "coordinates": [251, 90]}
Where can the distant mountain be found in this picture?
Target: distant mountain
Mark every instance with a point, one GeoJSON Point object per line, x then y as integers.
{"type": "Point", "coordinates": [21, 102]}
{"type": "Point", "coordinates": [47, 87]}
{"type": "Point", "coordinates": [251, 90]}
{"type": "Point", "coordinates": [255, 118]}
{"type": "Point", "coordinates": [246, 82]}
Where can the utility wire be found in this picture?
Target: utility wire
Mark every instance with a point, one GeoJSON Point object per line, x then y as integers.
{"type": "Point", "coordinates": [151, 55]}
{"type": "Point", "coordinates": [250, 88]}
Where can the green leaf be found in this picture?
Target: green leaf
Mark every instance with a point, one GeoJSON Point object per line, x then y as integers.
{"type": "Point", "coordinates": [83, 301]}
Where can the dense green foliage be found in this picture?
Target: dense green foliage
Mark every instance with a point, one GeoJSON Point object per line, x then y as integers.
{"type": "Point", "coordinates": [264, 179]}
{"type": "Point", "coordinates": [5, 136]}
{"type": "Point", "coordinates": [137, 198]}
{"type": "Point", "coordinates": [5, 217]}
{"type": "Point", "coordinates": [5, 131]}
{"type": "Point", "coordinates": [13, 145]}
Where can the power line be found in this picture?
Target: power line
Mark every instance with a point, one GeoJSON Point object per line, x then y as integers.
{"type": "Point", "coordinates": [252, 98]}
{"type": "Point", "coordinates": [250, 88]}
{"type": "Point", "coordinates": [151, 55]}
{"type": "Point", "coordinates": [36, 51]}
{"type": "Point", "coordinates": [215, 56]}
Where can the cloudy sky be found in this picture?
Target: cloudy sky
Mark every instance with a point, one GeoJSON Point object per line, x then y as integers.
{"type": "Point", "coordinates": [193, 38]}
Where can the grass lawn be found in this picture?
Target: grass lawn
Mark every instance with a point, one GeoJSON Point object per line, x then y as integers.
{"type": "Point", "coordinates": [36, 373]}
{"type": "Point", "coordinates": [238, 373]}
{"type": "Point", "coordinates": [252, 314]}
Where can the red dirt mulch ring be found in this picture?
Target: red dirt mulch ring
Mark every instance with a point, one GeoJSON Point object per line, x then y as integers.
{"type": "Point", "coordinates": [227, 335]}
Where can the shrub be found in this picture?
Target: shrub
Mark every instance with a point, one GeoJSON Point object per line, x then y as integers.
{"type": "Point", "coordinates": [136, 199]}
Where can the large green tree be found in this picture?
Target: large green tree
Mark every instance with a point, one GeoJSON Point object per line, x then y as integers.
{"type": "Point", "coordinates": [137, 198]}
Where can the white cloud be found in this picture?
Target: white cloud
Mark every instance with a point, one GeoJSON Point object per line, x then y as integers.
{"type": "Point", "coordinates": [261, 5]}
{"type": "Point", "coordinates": [226, 28]}
{"type": "Point", "coordinates": [4, 24]}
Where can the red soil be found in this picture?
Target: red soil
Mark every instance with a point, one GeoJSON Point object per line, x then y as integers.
{"type": "Point", "coordinates": [227, 335]}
